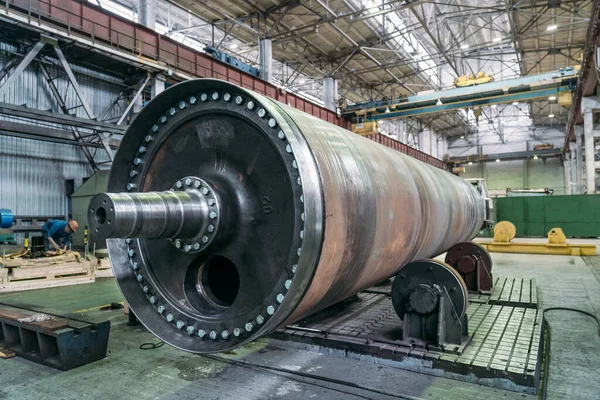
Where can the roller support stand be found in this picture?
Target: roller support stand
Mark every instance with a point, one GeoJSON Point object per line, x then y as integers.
{"type": "Point", "coordinates": [474, 264]}
{"type": "Point", "coordinates": [431, 300]}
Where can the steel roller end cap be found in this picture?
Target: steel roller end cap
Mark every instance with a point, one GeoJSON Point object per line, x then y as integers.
{"type": "Point", "coordinates": [101, 216]}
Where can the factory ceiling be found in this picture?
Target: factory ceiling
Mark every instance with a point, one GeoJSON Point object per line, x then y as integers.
{"type": "Point", "coordinates": [390, 47]}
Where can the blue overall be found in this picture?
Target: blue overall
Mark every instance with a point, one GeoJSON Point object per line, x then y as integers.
{"type": "Point", "coordinates": [55, 229]}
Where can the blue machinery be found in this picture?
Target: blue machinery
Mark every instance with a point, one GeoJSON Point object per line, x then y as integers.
{"type": "Point", "coordinates": [7, 236]}
{"type": "Point", "coordinates": [234, 62]}
{"type": "Point", "coordinates": [559, 83]}
{"type": "Point", "coordinates": [6, 218]}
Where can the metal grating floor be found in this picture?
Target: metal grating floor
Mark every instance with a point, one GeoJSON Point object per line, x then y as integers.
{"type": "Point", "coordinates": [518, 292]}
{"type": "Point", "coordinates": [506, 342]}
{"type": "Point", "coordinates": [505, 339]}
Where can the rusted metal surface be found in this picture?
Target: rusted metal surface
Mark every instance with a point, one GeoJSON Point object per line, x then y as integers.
{"type": "Point", "coordinates": [474, 265]}
{"type": "Point", "coordinates": [406, 149]}
{"type": "Point", "coordinates": [81, 19]}
{"type": "Point", "coordinates": [303, 213]}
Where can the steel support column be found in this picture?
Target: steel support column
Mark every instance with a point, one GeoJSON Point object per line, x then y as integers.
{"type": "Point", "coordinates": [330, 93]}
{"type": "Point", "coordinates": [425, 141]}
{"type": "Point", "coordinates": [265, 51]}
{"type": "Point", "coordinates": [147, 13]}
{"type": "Point", "coordinates": [567, 171]}
{"type": "Point", "coordinates": [574, 189]}
{"type": "Point", "coordinates": [590, 168]}
{"type": "Point", "coordinates": [579, 158]}
{"type": "Point", "coordinates": [526, 173]}
{"type": "Point", "coordinates": [158, 85]}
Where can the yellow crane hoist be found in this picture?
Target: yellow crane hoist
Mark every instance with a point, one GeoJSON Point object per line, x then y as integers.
{"type": "Point", "coordinates": [472, 79]}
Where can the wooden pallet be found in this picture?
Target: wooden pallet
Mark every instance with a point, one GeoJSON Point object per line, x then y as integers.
{"type": "Point", "coordinates": [38, 276]}
{"type": "Point", "coordinates": [17, 261]}
{"type": "Point", "coordinates": [18, 286]}
{"type": "Point", "coordinates": [102, 267]}
{"type": "Point", "coordinates": [49, 272]}
{"type": "Point", "coordinates": [104, 273]}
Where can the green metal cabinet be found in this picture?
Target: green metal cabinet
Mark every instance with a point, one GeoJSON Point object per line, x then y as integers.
{"type": "Point", "coordinates": [81, 200]}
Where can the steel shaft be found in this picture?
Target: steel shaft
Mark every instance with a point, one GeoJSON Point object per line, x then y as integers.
{"type": "Point", "coordinates": [152, 215]}
{"type": "Point", "coordinates": [307, 215]}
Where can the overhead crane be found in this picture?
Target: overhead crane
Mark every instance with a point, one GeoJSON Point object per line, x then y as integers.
{"type": "Point", "coordinates": [559, 84]}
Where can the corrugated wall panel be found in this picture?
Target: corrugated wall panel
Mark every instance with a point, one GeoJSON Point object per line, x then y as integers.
{"type": "Point", "coordinates": [33, 175]}
{"type": "Point", "coordinates": [31, 89]}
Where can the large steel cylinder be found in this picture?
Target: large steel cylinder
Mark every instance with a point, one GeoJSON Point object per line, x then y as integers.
{"type": "Point", "coordinates": [290, 214]}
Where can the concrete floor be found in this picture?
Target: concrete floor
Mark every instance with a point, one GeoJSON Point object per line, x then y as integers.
{"type": "Point", "coordinates": [258, 371]}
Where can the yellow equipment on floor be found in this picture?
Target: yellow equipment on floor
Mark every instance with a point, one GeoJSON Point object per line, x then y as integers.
{"type": "Point", "coordinates": [505, 231]}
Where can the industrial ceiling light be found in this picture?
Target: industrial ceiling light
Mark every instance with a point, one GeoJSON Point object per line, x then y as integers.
{"type": "Point", "coordinates": [535, 157]}
{"type": "Point", "coordinates": [470, 162]}
{"type": "Point", "coordinates": [494, 105]}
{"type": "Point", "coordinates": [552, 27]}
{"type": "Point", "coordinates": [387, 110]}
{"type": "Point", "coordinates": [462, 137]}
{"type": "Point", "coordinates": [550, 115]}
{"type": "Point", "coordinates": [464, 46]}
{"type": "Point", "coordinates": [301, 81]}
{"type": "Point", "coordinates": [498, 39]}
{"type": "Point", "coordinates": [497, 160]}
{"type": "Point", "coordinates": [515, 103]}
{"type": "Point", "coordinates": [233, 46]}
{"type": "Point", "coordinates": [439, 102]}
{"type": "Point", "coordinates": [552, 98]}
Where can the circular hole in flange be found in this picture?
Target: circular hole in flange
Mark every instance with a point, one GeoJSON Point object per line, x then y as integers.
{"type": "Point", "coordinates": [100, 215]}
{"type": "Point", "coordinates": [221, 280]}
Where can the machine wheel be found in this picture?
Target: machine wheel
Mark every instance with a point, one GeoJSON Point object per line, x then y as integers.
{"type": "Point", "coordinates": [414, 287]}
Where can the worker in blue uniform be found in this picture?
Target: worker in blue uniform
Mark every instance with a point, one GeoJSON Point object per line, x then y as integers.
{"type": "Point", "coordinates": [58, 234]}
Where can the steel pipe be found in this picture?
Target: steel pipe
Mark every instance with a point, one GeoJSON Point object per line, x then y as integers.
{"type": "Point", "coordinates": [309, 214]}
